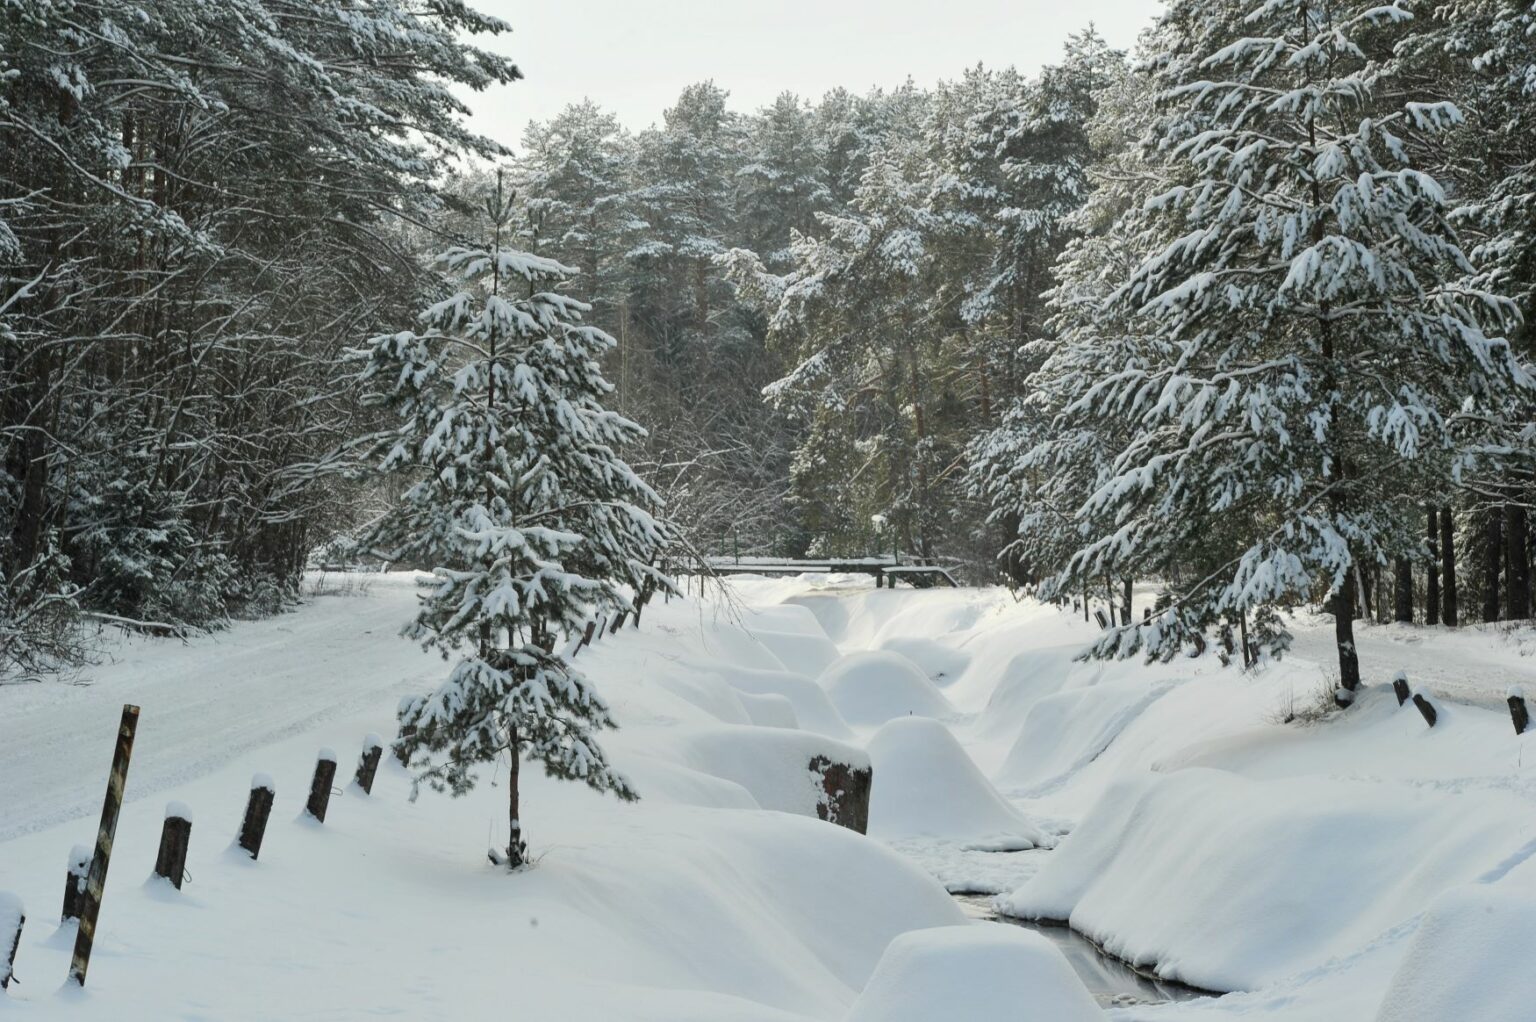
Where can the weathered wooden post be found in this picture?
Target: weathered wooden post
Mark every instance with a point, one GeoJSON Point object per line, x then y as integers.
{"type": "Point", "coordinates": [96, 880]}
{"type": "Point", "coordinates": [1425, 708]}
{"type": "Point", "coordinates": [1400, 687]}
{"type": "Point", "coordinates": [1099, 616]}
{"type": "Point", "coordinates": [74, 882]}
{"type": "Point", "coordinates": [1517, 709]}
{"type": "Point", "coordinates": [171, 863]}
{"type": "Point", "coordinates": [586, 638]}
{"type": "Point", "coordinates": [368, 763]}
{"type": "Point", "coordinates": [619, 622]}
{"type": "Point", "coordinates": [258, 809]}
{"type": "Point", "coordinates": [320, 787]}
{"type": "Point", "coordinates": [12, 917]}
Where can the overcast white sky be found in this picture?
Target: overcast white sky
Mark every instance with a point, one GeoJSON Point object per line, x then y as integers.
{"type": "Point", "coordinates": [635, 56]}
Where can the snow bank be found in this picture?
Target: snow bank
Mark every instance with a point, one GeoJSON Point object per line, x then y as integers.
{"type": "Point", "coordinates": [1230, 884]}
{"type": "Point", "coordinates": [1470, 959]}
{"type": "Point", "coordinates": [926, 786]}
{"type": "Point", "coordinates": [772, 764]}
{"type": "Point", "coordinates": [869, 689]}
{"type": "Point", "coordinates": [983, 972]}
{"type": "Point", "coordinates": [1064, 732]}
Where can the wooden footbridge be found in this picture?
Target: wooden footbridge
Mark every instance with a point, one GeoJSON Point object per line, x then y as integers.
{"type": "Point", "coordinates": [887, 571]}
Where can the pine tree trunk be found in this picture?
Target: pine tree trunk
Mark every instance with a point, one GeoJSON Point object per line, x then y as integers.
{"type": "Point", "coordinates": [1449, 611]}
{"type": "Point", "coordinates": [1493, 550]}
{"type": "Point", "coordinates": [1432, 590]}
{"type": "Point", "coordinates": [1344, 632]}
{"type": "Point", "coordinates": [516, 847]}
{"type": "Point", "coordinates": [1402, 591]}
{"type": "Point", "coordinates": [1517, 584]}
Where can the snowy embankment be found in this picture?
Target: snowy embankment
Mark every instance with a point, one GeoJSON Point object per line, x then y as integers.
{"type": "Point", "coordinates": [1361, 866]}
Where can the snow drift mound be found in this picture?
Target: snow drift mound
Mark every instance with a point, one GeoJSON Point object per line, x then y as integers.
{"type": "Point", "coordinates": [808, 654]}
{"type": "Point", "coordinates": [1253, 881]}
{"type": "Point", "coordinates": [977, 973]}
{"type": "Point", "coordinates": [1463, 962]}
{"type": "Point", "coordinates": [872, 688]}
{"type": "Point", "coordinates": [813, 710]}
{"type": "Point", "coordinates": [926, 786]}
{"type": "Point", "coordinates": [773, 764]}
{"type": "Point", "coordinates": [943, 664]}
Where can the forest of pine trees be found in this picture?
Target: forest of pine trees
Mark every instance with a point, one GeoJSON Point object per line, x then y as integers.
{"type": "Point", "coordinates": [1243, 313]}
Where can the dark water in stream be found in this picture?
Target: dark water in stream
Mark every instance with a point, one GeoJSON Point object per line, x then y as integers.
{"type": "Point", "coordinates": [1112, 982]}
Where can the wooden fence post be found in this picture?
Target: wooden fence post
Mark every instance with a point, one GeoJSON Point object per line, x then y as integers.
{"type": "Point", "coordinates": [12, 917]}
{"type": "Point", "coordinates": [1400, 687]}
{"type": "Point", "coordinates": [586, 638]}
{"type": "Point", "coordinates": [1518, 713]}
{"type": "Point", "coordinates": [619, 622]}
{"type": "Point", "coordinates": [320, 787]}
{"type": "Point", "coordinates": [368, 763]}
{"type": "Point", "coordinates": [258, 808]}
{"type": "Point", "coordinates": [74, 882]}
{"type": "Point", "coordinates": [175, 835]}
{"type": "Point", "coordinates": [96, 881]}
{"type": "Point", "coordinates": [1425, 708]}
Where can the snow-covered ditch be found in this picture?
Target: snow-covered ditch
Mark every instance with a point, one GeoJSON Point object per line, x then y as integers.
{"type": "Point", "coordinates": [1359, 868]}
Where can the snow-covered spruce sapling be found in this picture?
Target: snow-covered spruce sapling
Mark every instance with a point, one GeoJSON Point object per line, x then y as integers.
{"type": "Point", "coordinates": [1306, 345]}
{"type": "Point", "coordinates": [521, 505]}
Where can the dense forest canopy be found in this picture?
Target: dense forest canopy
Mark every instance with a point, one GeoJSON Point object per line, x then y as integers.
{"type": "Point", "coordinates": [1243, 312]}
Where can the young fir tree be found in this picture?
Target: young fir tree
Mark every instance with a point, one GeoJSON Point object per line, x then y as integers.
{"type": "Point", "coordinates": [1309, 351]}
{"type": "Point", "coordinates": [522, 505]}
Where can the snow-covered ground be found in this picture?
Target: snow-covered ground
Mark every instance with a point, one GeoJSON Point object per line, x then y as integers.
{"type": "Point", "coordinates": [1362, 867]}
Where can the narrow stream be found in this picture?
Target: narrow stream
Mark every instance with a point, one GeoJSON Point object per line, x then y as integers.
{"type": "Point", "coordinates": [1112, 982]}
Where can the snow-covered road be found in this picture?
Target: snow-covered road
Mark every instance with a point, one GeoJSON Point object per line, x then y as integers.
{"type": "Point", "coordinates": [203, 703]}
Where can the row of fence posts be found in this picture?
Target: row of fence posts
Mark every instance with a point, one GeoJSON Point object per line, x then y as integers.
{"type": "Point", "coordinates": [86, 878]}
{"type": "Point", "coordinates": [87, 875]}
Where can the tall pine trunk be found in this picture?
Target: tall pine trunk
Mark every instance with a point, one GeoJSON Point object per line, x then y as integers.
{"type": "Point", "coordinates": [1432, 586]}
{"type": "Point", "coordinates": [1493, 550]}
{"type": "Point", "coordinates": [1344, 632]}
{"type": "Point", "coordinates": [1449, 611]}
{"type": "Point", "coordinates": [1402, 591]}
{"type": "Point", "coordinates": [1517, 579]}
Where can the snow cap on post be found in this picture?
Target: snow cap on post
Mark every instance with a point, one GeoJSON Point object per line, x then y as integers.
{"type": "Point", "coordinates": [80, 860]}
{"type": "Point", "coordinates": [326, 755]}
{"type": "Point", "coordinates": [178, 811]}
{"type": "Point", "coordinates": [260, 780]}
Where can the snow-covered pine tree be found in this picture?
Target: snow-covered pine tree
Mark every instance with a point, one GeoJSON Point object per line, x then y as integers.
{"type": "Point", "coordinates": [521, 503]}
{"type": "Point", "coordinates": [1309, 348]}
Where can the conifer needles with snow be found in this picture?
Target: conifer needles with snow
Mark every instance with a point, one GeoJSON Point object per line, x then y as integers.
{"type": "Point", "coordinates": [522, 507]}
